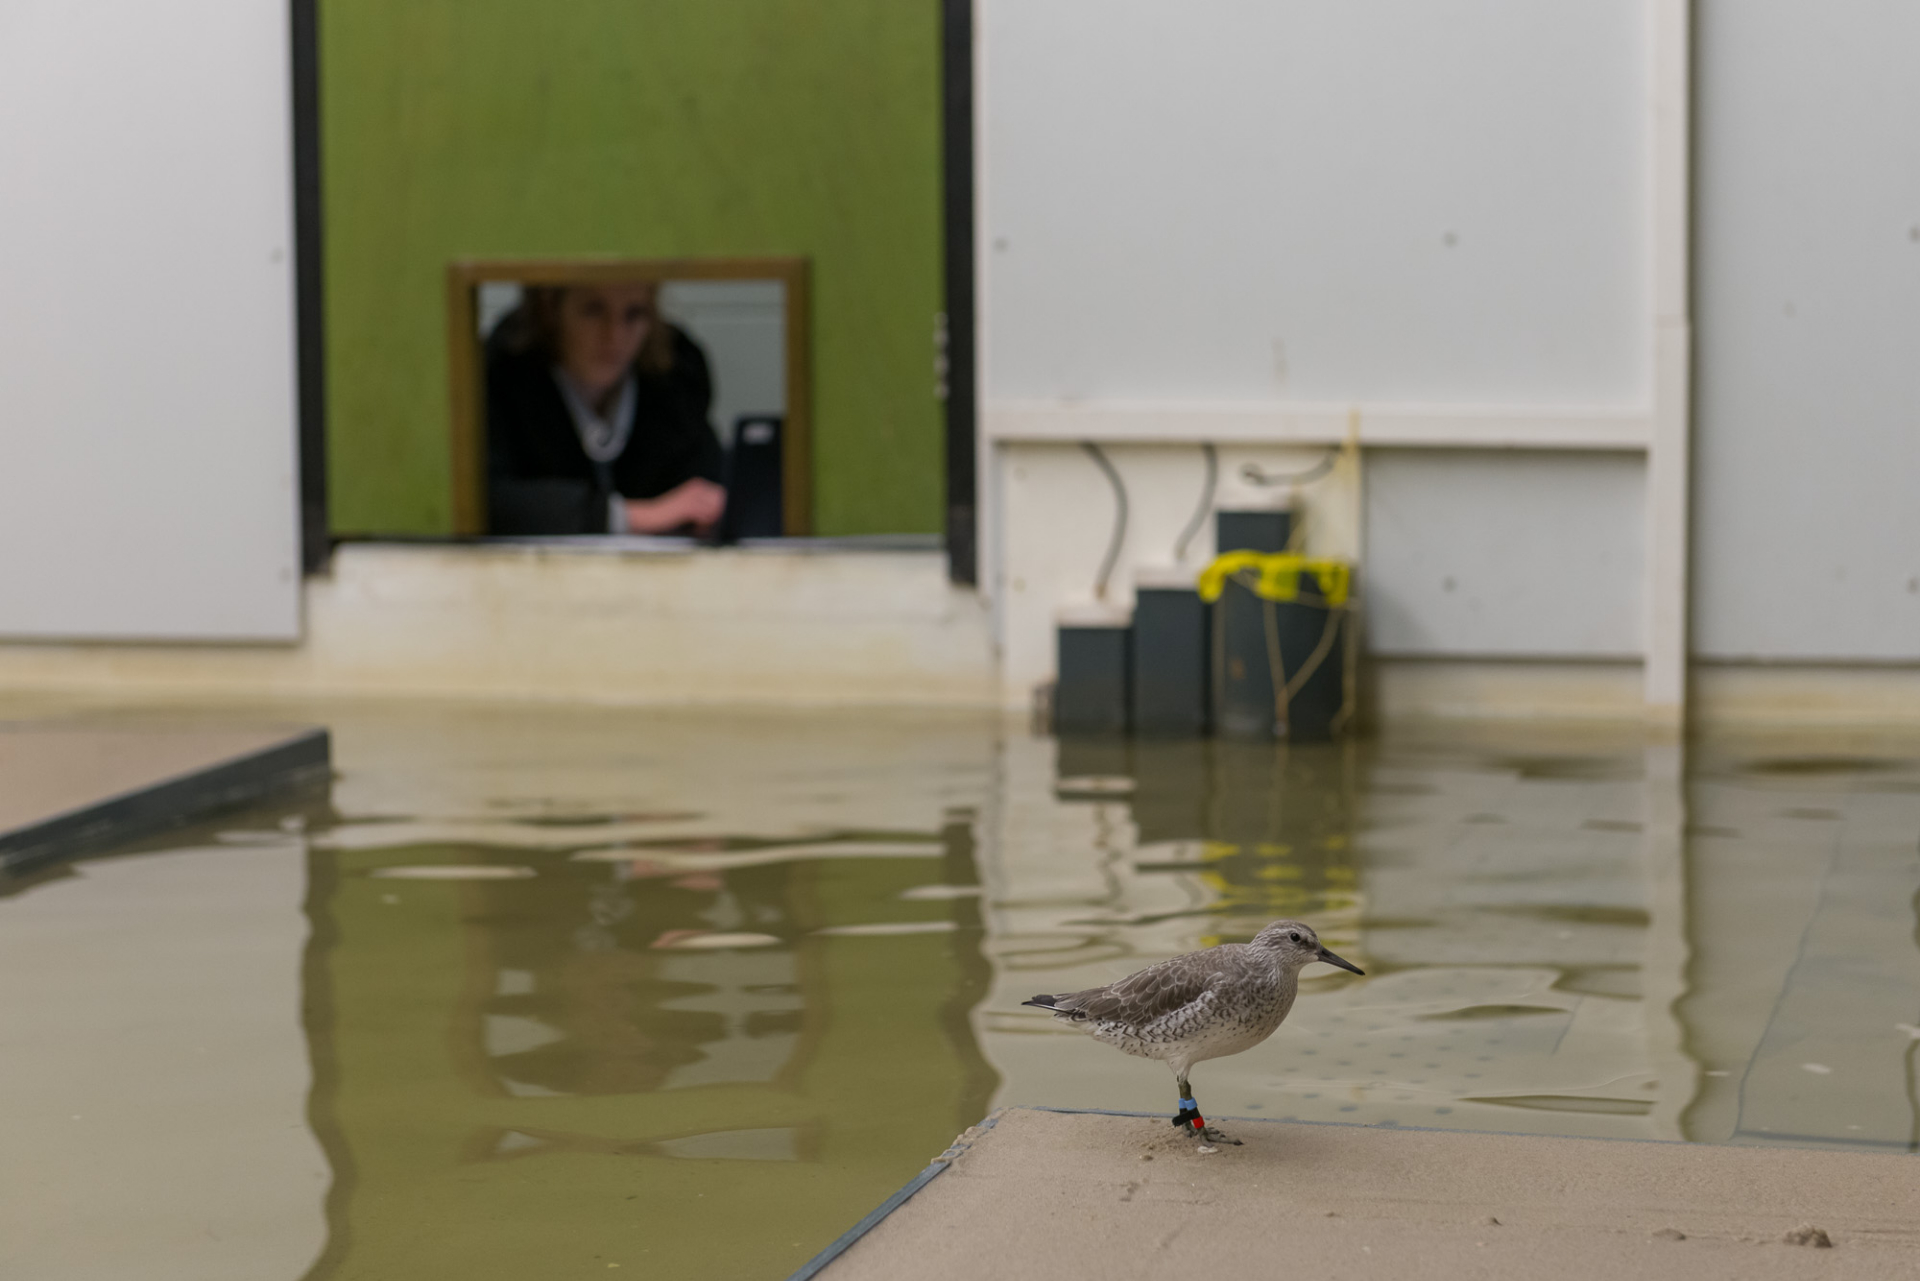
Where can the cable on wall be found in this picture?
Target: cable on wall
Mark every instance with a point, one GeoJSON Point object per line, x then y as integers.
{"type": "Point", "coordinates": [1201, 512]}
{"type": "Point", "coordinates": [1254, 474]}
{"type": "Point", "coordinates": [1107, 561]}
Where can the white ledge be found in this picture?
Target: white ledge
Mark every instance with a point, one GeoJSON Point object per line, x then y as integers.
{"type": "Point", "coordinates": [1312, 423]}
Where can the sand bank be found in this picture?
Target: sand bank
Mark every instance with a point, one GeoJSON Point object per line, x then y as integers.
{"type": "Point", "coordinates": [1068, 1195]}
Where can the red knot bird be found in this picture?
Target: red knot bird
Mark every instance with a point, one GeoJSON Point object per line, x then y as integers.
{"type": "Point", "coordinates": [1204, 1005]}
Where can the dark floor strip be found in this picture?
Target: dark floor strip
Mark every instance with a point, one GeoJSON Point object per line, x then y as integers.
{"type": "Point", "coordinates": [298, 763]}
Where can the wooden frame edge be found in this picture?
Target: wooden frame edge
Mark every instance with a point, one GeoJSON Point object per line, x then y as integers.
{"type": "Point", "coordinates": [467, 439]}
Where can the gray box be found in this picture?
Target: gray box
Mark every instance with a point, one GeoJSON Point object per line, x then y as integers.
{"type": "Point", "coordinates": [1170, 696]}
{"type": "Point", "coordinates": [1090, 694]}
{"type": "Point", "coordinates": [1262, 530]}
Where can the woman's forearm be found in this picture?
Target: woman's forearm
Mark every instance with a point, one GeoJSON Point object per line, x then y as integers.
{"type": "Point", "coordinates": [652, 516]}
{"type": "Point", "coordinates": [693, 502]}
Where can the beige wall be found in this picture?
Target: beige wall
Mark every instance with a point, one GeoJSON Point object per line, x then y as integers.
{"type": "Point", "coordinates": [608, 624]}
{"type": "Point", "coordinates": [595, 623]}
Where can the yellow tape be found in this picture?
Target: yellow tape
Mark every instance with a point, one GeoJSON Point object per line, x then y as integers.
{"type": "Point", "coordinates": [1278, 576]}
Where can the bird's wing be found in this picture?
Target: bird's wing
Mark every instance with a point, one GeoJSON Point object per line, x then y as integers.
{"type": "Point", "coordinates": [1146, 995]}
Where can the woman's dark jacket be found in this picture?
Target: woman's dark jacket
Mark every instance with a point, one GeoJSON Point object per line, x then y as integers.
{"type": "Point", "coordinates": [539, 479]}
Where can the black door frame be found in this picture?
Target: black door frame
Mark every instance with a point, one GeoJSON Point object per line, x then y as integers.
{"type": "Point", "coordinates": [310, 351]}
{"type": "Point", "coordinates": [956, 138]}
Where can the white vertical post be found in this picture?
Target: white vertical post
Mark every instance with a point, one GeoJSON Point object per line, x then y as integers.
{"type": "Point", "coordinates": [1668, 27]}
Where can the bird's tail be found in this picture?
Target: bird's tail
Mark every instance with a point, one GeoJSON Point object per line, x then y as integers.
{"type": "Point", "coordinates": [1052, 1005]}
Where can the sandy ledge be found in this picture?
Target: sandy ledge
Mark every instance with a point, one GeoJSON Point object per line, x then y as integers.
{"type": "Point", "coordinates": [1068, 1195]}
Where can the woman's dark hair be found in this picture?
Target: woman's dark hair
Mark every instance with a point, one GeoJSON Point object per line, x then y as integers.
{"type": "Point", "coordinates": [535, 326]}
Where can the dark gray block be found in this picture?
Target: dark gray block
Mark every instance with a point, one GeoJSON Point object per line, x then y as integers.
{"type": "Point", "coordinates": [1169, 662]}
{"type": "Point", "coordinates": [1264, 530]}
{"type": "Point", "coordinates": [1090, 692]}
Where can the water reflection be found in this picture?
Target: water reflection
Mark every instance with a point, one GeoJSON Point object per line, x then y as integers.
{"type": "Point", "coordinates": [1563, 935]}
{"type": "Point", "coordinates": [1803, 988]}
{"type": "Point", "coordinates": [495, 1043]}
{"type": "Point", "coordinates": [693, 991]}
{"type": "Point", "coordinates": [703, 1038]}
{"type": "Point", "coordinates": [752, 985]}
{"type": "Point", "coordinates": [1503, 910]}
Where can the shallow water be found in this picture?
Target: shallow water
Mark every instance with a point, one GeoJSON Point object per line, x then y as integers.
{"type": "Point", "coordinates": [545, 992]}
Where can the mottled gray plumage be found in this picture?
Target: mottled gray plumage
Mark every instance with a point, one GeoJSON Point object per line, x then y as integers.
{"type": "Point", "coordinates": [1203, 1005]}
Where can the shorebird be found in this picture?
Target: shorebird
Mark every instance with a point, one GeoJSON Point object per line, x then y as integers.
{"type": "Point", "coordinates": [1204, 1005]}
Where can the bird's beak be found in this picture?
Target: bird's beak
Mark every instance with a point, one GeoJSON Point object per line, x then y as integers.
{"type": "Point", "coordinates": [1331, 959]}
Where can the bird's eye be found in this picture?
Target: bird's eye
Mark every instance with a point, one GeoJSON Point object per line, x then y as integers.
{"type": "Point", "coordinates": [1294, 935]}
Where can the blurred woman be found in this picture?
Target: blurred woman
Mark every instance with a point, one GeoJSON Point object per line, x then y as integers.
{"type": "Point", "coordinates": [597, 418]}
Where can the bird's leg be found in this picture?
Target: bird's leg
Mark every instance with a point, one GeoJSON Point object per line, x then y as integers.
{"type": "Point", "coordinates": [1189, 1110]}
{"type": "Point", "coordinates": [1190, 1116]}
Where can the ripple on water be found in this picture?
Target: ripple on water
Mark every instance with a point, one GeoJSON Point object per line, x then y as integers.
{"type": "Point", "coordinates": [749, 971]}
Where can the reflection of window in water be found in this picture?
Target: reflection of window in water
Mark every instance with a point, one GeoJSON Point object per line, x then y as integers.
{"type": "Point", "coordinates": [740, 324]}
{"type": "Point", "coordinates": [747, 1005]}
{"type": "Point", "coordinates": [572, 998]}
{"type": "Point", "coordinates": [757, 995]}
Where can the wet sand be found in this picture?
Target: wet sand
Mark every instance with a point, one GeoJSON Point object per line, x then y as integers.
{"type": "Point", "coordinates": [1058, 1195]}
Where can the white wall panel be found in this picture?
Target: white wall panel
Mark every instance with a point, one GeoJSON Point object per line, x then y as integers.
{"type": "Point", "coordinates": [1260, 200]}
{"type": "Point", "coordinates": [147, 438]}
{"type": "Point", "coordinates": [1807, 238]}
{"type": "Point", "coordinates": [1252, 214]}
{"type": "Point", "coordinates": [1505, 554]}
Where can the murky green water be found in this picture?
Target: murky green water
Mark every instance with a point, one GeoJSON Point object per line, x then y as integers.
{"type": "Point", "coordinates": [559, 992]}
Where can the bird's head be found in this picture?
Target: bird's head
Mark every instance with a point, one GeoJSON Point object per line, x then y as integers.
{"type": "Point", "coordinates": [1294, 944]}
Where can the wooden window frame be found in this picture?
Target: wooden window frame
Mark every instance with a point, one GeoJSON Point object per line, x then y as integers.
{"type": "Point", "coordinates": [465, 363]}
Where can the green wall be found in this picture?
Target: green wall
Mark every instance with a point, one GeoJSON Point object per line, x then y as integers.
{"type": "Point", "coordinates": [645, 128]}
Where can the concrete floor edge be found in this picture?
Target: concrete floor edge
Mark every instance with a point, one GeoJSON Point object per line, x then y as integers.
{"type": "Point", "coordinates": [875, 1217]}
{"type": "Point", "coordinates": [117, 818]}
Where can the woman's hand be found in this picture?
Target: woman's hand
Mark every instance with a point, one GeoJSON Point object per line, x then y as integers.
{"type": "Point", "coordinates": [695, 502]}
